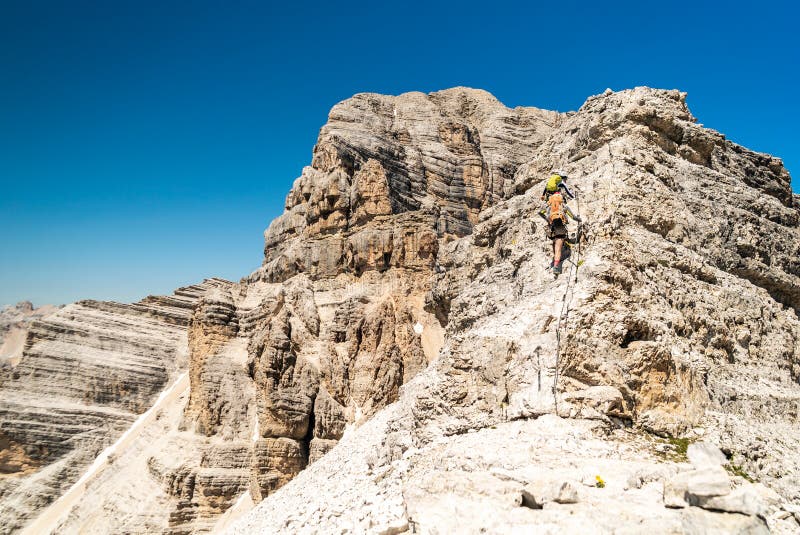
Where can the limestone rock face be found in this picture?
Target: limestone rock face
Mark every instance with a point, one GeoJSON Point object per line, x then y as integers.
{"type": "Point", "coordinates": [677, 318]}
{"type": "Point", "coordinates": [324, 334]}
{"type": "Point", "coordinates": [87, 370]}
{"type": "Point", "coordinates": [403, 360]}
{"type": "Point", "coordinates": [212, 325]}
{"type": "Point", "coordinates": [431, 161]}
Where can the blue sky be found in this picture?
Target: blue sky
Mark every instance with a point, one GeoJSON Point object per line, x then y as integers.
{"type": "Point", "coordinates": [146, 145]}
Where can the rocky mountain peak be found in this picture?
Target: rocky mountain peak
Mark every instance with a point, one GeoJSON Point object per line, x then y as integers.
{"type": "Point", "coordinates": [687, 235]}
{"type": "Point", "coordinates": [408, 162]}
{"type": "Point", "coordinates": [405, 351]}
{"type": "Point", "coordinates": [24, 306]}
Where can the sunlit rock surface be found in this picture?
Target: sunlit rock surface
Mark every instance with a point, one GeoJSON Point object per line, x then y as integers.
{"type": "Point", "coordinates": [403, 360]}
{"type": "Point", "coordinates": [680, 322]}
{"type": "Point", "coordinates": [85, 373]}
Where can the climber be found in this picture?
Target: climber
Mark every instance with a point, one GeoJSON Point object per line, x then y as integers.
{"type": "Point", "coordinates": [556, 213]}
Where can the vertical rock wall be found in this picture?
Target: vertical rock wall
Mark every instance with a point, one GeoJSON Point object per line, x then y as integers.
{"type": "Point", "coordinates": [678, 321]}
{"type": "Point", "coordinates": [327, 324]}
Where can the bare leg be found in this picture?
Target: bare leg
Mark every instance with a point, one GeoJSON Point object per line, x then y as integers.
{"type": "Point", "coordinates": [557, 243]}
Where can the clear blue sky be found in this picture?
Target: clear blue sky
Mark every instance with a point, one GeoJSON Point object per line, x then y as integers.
{"type": "Point", "coordinates": [146, 145]}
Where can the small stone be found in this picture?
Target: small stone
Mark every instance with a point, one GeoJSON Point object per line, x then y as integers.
{"type": "Point", "coordinates": [675, 490]}
{"type": "Point", "coordinates": [697, 520]}
{"type": "Point", "coordinates": [708, 482]}
{"type": "Point", "coordinates": [782, 515]}
{"type": "Point", "coordinates": [567, 493]}
{"type": "Point", "coordinates": [596, 401]}
{"type": "Point", "coordinates": [694, 486]}
{"type": "Point", "coordinates": [530, 499]}
{"type": "Point", "coordinates": [794, 509]}
{"type": "Point", "coordinates": [537, 494]}
{"type": "Point", "coordinates": [644, 476]}
{"type": "Point", "coordinates": [744, 500]}
{"type": "Point", "coordinates": [705, 455]}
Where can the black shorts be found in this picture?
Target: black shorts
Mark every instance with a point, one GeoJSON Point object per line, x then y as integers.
{"type": "Point", "coordinates": [558, 230]}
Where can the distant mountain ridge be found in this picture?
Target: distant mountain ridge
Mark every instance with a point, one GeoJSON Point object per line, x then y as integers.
{"type": "Point", "coordinates": [14, 322]}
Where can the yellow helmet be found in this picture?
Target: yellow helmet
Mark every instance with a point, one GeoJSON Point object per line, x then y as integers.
{"type": "Point", "coordinates": [553, 182]}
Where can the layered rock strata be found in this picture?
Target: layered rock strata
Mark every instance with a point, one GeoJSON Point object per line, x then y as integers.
{"type": "Point", "coordinates": [407, 283]}
{"type": "Point", "coordinates": [323, 334]}
{"type": "Point", "coordinates": [85, 374]}
{"type": "Point", "coordinates": [332, 311]}
{"type": "Point", "coordinates": [327, 330]}
{"type": "Point", "coordinates": [680, 321]}
{"type": "Point", "coordinates": [14, 323]}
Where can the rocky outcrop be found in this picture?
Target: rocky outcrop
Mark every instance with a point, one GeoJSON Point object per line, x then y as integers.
{"type": "Point", "coordinates": [85, 374]}
{"type": "Point", "coordinates": [654, 313]}
{"type": "Point", "coordinates": [391, 174]}
{"type": "Point", "coordinates": [14, 324]}
{"type": "Point", "coordinates": [677, 319]}
{"type": "Point", "coordinates": [323, 335]}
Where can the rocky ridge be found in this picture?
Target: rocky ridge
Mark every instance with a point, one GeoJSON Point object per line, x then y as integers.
{"type": "Point", "coordinates": [326, 331]}
{"type": "Point", "coordinates": [404, 351]}
{"type": "Point", "coordinates": [681, 322]}
{"type": "Point", "coordinates": [85, 373]}
{"type": "Point", "coordinates": [14, 322]}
